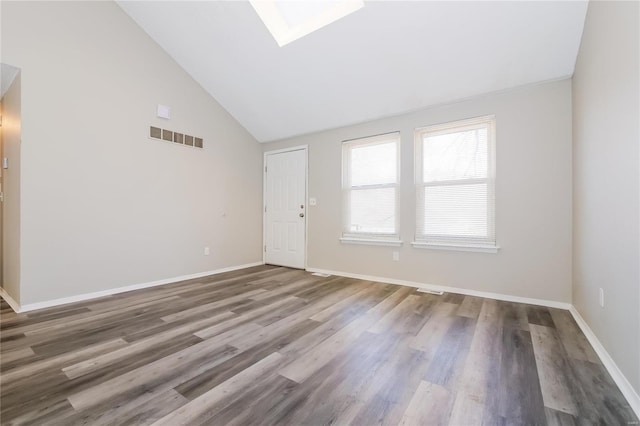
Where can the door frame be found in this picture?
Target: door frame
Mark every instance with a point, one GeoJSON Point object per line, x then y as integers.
{"type": "Point", "coordinates": [304, 148]}
{"type": "Point", "coordinates": [2, 191]}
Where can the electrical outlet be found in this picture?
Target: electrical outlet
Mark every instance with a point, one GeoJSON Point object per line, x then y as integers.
{"type": "Point", "coordinates": [396, 255]}
{"type": "Point", "coordinates": [601, 297]}
{"type": "Point", "coordinates": [207, 252]}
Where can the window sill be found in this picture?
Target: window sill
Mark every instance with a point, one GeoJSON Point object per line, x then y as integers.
{"type": "Point", "coordinates": [371, 241]}
{"type": "Point", "coordinates": [456, 247]}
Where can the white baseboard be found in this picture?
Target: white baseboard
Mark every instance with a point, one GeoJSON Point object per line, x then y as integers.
{"type": "Point", "coordinates": [489, 295]}
{"type": "Point", "coordinates": [625, 387]}
{"type": "Point", "coordinates": [10, 300]}
{"type": "Point", "coordinates": [94, 295]}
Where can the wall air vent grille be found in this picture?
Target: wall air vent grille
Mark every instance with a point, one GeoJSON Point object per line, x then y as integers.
{"type": "Point", "coordinates": [167, 135]}
{"type": "Point", "coordinates": [175, 137]}
{"type": "Point", "coordinates": [155, 132]}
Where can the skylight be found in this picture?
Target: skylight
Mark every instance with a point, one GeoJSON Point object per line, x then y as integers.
{"type": "Point", "coordinates": [289, 20]}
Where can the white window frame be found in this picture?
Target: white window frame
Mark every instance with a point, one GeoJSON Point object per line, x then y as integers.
{"type": "Point", "coordinates": [449, 242]}
{"type": "Point", "coordinates": [373, 238]}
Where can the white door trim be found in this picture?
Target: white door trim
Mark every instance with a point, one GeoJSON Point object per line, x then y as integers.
{"type": "Point", "coordinates": [304, 148]}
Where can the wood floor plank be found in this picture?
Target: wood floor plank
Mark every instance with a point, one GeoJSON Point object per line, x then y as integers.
{"type": "Point", "coordinates": [518, 371]}
{"type": "Point", "coordinates": [16, 354]}
{"type": "Point", "coordinates": [133, 412]}
{"type": "Point", "coordinates": [332, 290]}
{"type": "Point", "coordinates": [47, 389]}
{"type": "Point", "coordinates": [340, 390]}
{"type": "Point", "coordinates": [224, 326]}
{"type": "Point", "coordinates": [83, 320]}
{"type": "Point", "coordinates": [335, 393]}
{"type": "Point", "coordinates": [212, 377]}
{"type": "Point", "coordinates": [155, 325]}
{"type": "Point", "coordinates": [92, 364]}
{"type": "Point", "coordinates": [472, 391]}
{"type": "Point", "coordinates": [132, 362]}
{"type": "Point", "coordinates": [203, 405]}
{"type": "Point", "coordinates": [237, 334]}
{"type": "Point", "coordinates": [267, 399]}
{"type": "Point", "coordinates": [454, 298]}
{"type": "Point", "coordinates": [470, 307]}
{"type": "Point", "coordinates": [186, 313]}
{"type": "Point", "coordinates": [326, 350]}
{"type": "Point", "coordinates": [273, 345]}
{"type": "Point", "coordinates": [390, 393]}
{"type": "Point", "coordinates": [416, 316]}
{"type": "Point", "coordinates": [574, 341]}
{"type": "Point", "coordinates": [106, 304]}
{"type": "Point", "coordinates": [53, 413]}
{"type": "Point", "coordinates": [540, 315]}
{"type": "Point", "coordinates": [514, 315]}
{"type": "Point", "coordinates": [38, 317]}
{"type": "Point", "coordinates": [447, 365]}
{"type": "Point", "coordinates": [276, 328]}
{"type": "Point", "coordinates": [358, 292]}
{"type": "Point", "coordinates": [590, 382]}
{"type": "Point", "coordinates": [552, 368]}
{"type": "Point", "coordinates": [306, 343]}
{"type": "Point", "coordinates": [385, 322]}
{"type": "Point", "coordinates": [60, 360]}
{"type": "Point", "coordinates": [282, 275]}
{"type": "Point", "coordinates": [559, 418]}
{"type": "Point", "coordinates": [429, 337]}
{"type": "Point", "coordinates": [288, 288]}
{"type": "Point", "coordinates": [48, 345]}
{"type": "Point", "coordinates": [430, 405]}
{"type": "Point", "coordinates": [164, 373]}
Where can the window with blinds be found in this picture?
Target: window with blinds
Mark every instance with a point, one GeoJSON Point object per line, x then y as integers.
{"type": "Point", "coordinates": [455, 179]}
{"type": "Point", "coordinates": [370, 183]}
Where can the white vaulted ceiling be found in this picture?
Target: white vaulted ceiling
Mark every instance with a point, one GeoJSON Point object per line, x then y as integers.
{"type": "Point", "coordinates": [384, 59]}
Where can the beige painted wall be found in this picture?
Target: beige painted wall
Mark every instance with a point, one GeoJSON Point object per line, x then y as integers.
{"type": "Point", "coordinates": [606, 134]}
{"type": "Point", "coordinates": [103, 206]}
{"type": "Point", "coordinates": [11, 188]}
{"type": "Point", "coordinates": [533, 191]}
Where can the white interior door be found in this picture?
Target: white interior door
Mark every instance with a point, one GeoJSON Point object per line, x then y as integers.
{"type": "Point", "coordinates": [285, 208]}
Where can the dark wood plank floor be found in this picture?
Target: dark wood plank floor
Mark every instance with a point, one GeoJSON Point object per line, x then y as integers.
{"type": "Point", "coordinates": [271, 345]}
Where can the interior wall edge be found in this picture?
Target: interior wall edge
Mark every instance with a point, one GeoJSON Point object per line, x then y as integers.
{"type": "Point", "coordinates": [616, 374]}
{"type": "Point", "coordinates": [10, 300]}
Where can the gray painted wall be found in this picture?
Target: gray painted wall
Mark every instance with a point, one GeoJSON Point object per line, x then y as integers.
{"type": "Point", "coordinates": [533, 199]}
{"type": "Point", "coordinates": [606, 134]}
{"type": "Point", "coordinates": [103, 206]}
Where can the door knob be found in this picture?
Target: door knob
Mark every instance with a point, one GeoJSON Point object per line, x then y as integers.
{"type": "Point", "coordinates": [301, 214]}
